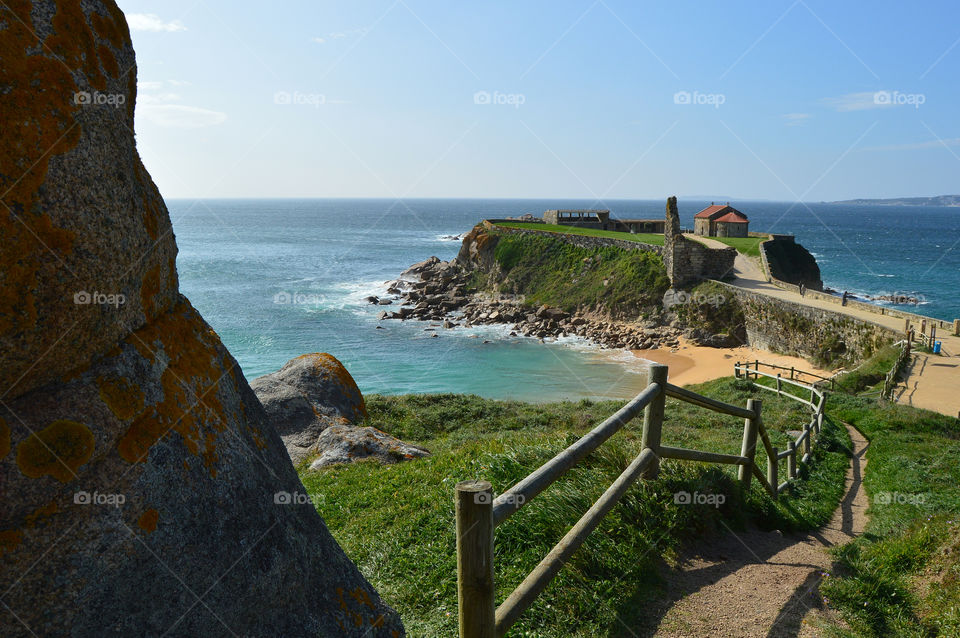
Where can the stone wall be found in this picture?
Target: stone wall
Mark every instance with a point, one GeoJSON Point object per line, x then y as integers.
{"type": "Point", "coordinates": [689, 261]}
{"type": "Point", "coordinates": [822, 336]}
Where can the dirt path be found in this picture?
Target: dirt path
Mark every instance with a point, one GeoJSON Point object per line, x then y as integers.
{"type": "Point", "coordinates": [757, 583]}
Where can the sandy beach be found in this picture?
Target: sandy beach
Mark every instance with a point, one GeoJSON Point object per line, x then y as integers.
{"type": "Point", "coordinates": [696, 364]}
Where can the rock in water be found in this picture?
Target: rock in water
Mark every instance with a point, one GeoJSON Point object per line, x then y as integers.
{"type": "Point", "coordinates": [307, 395]}
{"type": "Point", "coordinates": [143, 491]}
{"type": "Point", "coordinates": [345, 444]}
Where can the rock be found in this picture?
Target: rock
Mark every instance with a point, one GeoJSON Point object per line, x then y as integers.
{"type": "Point", "coordinates": [144, 490]}
{"type": "Point", "coordinates": [418, 269]}
{"type": "Point", "coordinates": [435, 336]}
{"type": "Point", "coordinates": [346, 444]}
{"type": "Point", "coordinates": [373, 299]}
{"type": "Point", "coordinates": [383, 315]}
{"type": "Point", "coordinates": [448, 324]}
{"type": "Point", "coordinates": [307, 395]}
{"type": "Point", "coordinates": [384, 302]}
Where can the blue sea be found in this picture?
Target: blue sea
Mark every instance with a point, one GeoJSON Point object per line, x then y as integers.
{"type": "Point", "coordinates": [277, 278]}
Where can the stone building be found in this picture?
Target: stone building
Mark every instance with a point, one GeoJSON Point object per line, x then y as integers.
{"type": "Point", "coordinates": [583, 218]}
{"type": "Point", "coordinates": [719, 220]}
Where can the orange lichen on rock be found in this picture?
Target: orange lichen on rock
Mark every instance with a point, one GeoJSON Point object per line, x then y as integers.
{"type": "Point", "coordinates": [10, 539]}
{"type": "Point", "coordinates": [44, 511]}
{"type": "Point", "coordinates": [4, 438]}
{"type": "Point", "coordinates": [326, 362]}
{"type": "Point", "coordinates": [190, 383]}
{"type": "Point", "coordinates": [73, 42]}
{"type": "Point", "coordinates": [38, 114]}
{"type": "Point", "coordinates": [57, 450]}
{"type": "Point", "coordinates": [123, 398]}
{"type": "Point", "coordinates": [148, 520]}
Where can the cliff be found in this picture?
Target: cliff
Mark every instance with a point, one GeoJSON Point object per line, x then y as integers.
{"type": "Point", "coordinates": [142, 491]}
{"type": "Point", "coordinates": [790, 262]}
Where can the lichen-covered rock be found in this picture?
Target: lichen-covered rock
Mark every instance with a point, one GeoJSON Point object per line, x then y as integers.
{"type": "Point", "coordinates": [142, 490]}
{"type": "Point", "coordinates": [346, 444]}
{"type": "Point", "coordinates": [307, 395]}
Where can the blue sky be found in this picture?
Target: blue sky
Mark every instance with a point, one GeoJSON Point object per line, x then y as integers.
{"type": "Point", "coordinates": [784, 100]}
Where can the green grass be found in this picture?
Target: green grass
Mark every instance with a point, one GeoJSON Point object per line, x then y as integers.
{"type": "Point", "coordinates": [902, 578]}
{"type": "Point", "coordinates": [397, 521]}
{"type": "Point", "coordinates": [625, 283]}
{"type": "Point", "coordinates": [646, 238]}
{"type": "Point", "coordinates": [749, 246]}
{"type": "Point", "coordinates": [869, 373]}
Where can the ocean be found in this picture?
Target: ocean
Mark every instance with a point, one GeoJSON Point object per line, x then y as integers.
{"type": "Point", "coordinates": [277, 278]}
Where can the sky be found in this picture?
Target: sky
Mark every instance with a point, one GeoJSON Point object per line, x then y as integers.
{"type": "Point", "coordinates": [787, 100]}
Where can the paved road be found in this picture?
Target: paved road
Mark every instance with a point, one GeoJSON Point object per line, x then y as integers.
{"type": "Point", "coordinates": [933, 382]}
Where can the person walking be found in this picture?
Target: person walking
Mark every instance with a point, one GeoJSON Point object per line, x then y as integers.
{"type": "Point", "coordinates": [844, 301]}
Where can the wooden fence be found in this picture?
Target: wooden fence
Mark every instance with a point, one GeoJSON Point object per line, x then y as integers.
{"type": "Point", "coordinates": [795, 373]}
{"type": "Point", "coordinates": [890, 382]}
{"type": "Point", "coordinates": [478, 512]}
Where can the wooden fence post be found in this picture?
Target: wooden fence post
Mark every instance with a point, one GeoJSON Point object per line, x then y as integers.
{"type": "Point", "coordinates": [791, 373]}
{"type": "Point", "coordinates": [778, 384]}
{"type": "Point", "coordinates": [475, 592]}
{"type": "Point", "coordinates": [751, 426]}
{"type": "Point", "coordinates": [806, 440]}
{"type": "Point", "coordinates": [792, 460]}
{"type": "Point", "coordinates": [773, 464]}
{"type": "Point", "coordinates": [956, 327]}
{"type": "Point", "coordinates": [819, 422]}
{"type": "Point", "coordinates": [653, 418]}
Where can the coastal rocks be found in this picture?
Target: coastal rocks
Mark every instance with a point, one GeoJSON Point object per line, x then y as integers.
{"type": "Point", "coordinates": [143, 490]}
{"type": "Point", "coordinates": [307, 395]}
{"type": "Point", "coordinates": [436, 290]}
{"type": "Point", "coordinates": [346, 444]}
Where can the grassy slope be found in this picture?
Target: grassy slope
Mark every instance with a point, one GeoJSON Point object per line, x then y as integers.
{"type": "Point", "coordinates": [646, 238]}
{"type": "Point", "coordinates": [398, 527]}
{"type": "Point", "coordinates": [749, 246]}
{"type": "Point", "coordinates": [902, 578]}
{"type": "Point", "coordinates": [551, 271]}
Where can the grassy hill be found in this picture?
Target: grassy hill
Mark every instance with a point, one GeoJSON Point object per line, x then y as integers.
{"type": "Point", "coordinates": [397, 522]}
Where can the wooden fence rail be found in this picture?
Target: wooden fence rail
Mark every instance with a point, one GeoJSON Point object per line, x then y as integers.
{"type": "Point", "coordinates": [795, 373]}
{"type": "Point", "coordinates": [478, 513]}
{"type": "Point", "coordinates": [890, 381]}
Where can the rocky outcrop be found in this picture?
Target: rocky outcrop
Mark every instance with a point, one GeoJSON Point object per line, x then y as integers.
{"type": "Point", "coordinates": [142, 489]}
{"type": "Point", "coordinates": [346, 444]}
{"type": "Point", "coordinates": [790, 262]}
{"type": "Point", "coordinates": [306, 396]}
{"type": "Point", "coordinates": [435, 290]}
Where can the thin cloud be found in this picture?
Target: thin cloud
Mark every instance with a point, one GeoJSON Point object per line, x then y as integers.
{"type": "Point", "coordinates": [180, 116]}
{"type": "Point", "coordinates": [916, 146]}
{"type": "Point", "coordinates": [855, 102]}
{"type": "Point", "coordinates": [340, 35]}
{"type": "Point", "coordinates": [153, 22]}
{"type": "Point", "coordinates": [795, 119]}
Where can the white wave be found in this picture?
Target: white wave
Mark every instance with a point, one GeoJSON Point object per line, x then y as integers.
{"type": "Point", "coordinates": [446, 238]}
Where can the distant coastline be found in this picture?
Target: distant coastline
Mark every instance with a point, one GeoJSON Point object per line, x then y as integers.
{"type": "Point", "coordinates": [939, 200]}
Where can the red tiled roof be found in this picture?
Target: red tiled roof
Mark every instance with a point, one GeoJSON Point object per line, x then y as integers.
{"type": "Point", "coordinates": [733, 217]}
{"type": "Point", "coordinates": [711, 210]}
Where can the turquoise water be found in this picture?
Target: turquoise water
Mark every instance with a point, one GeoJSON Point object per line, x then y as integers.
{"type": "Point", "coordinates": [278, 278]}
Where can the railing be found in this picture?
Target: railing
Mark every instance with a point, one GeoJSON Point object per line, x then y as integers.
{"type": "Point", "coordinates": [890, 382]}
{"type": "Point", "coordinates": [795, 373]}
{"type": "Point", "coordinates": [478, 513]}
{"type": "Point", "coordinates": [817, 403]}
